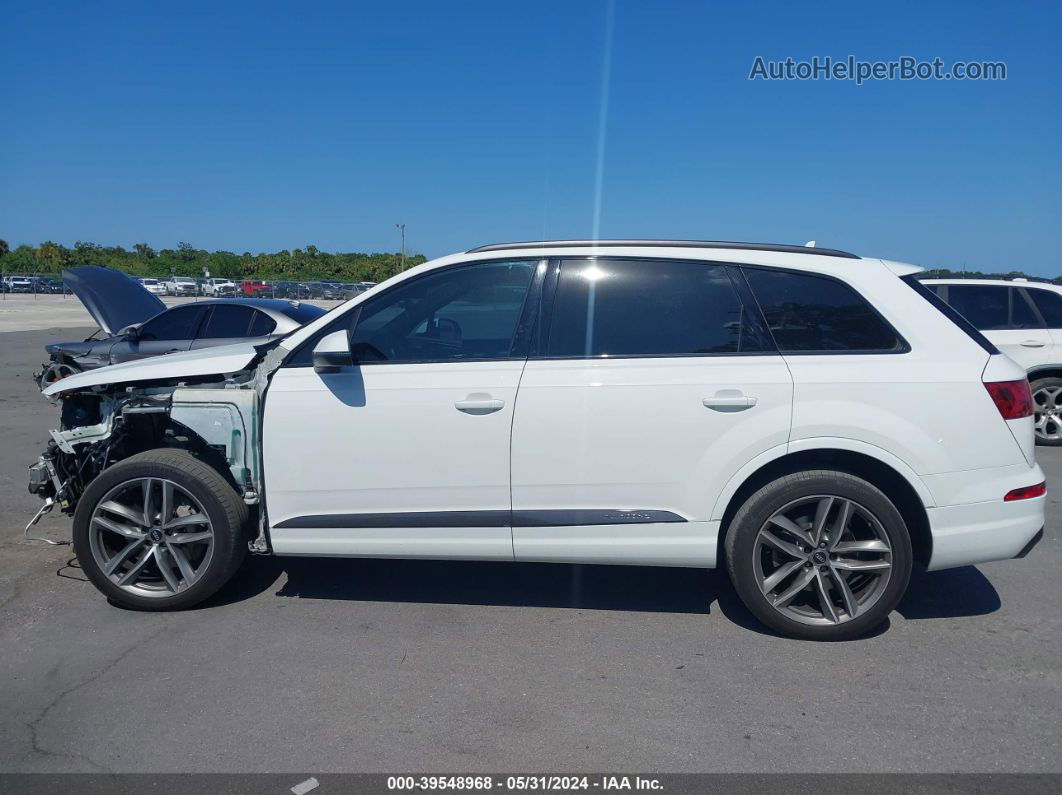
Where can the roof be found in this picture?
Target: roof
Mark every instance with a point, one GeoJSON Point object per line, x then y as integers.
{"type": "Point", "coordinates": [1007, 282]}
{"type": "Point", "coordinates": [717, 244]}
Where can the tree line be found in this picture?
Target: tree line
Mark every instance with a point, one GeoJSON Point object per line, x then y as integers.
{"type": "Point", "coordinates": [300, 264]}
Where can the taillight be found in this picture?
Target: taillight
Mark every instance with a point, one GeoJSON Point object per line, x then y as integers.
{"type": "Point", "coordinates": [1012, 398]}
{"type": "Point", "coordinates": [1026, 492]}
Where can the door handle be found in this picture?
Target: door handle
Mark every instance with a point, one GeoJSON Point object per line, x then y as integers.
{"type": "Point", "coordinates": [1032, 344]}
{"type": "Point", "coordinates": [479, 404]}
{"type": "Point", "coordinates": [728, 401]}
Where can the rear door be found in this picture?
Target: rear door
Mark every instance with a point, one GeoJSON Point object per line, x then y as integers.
{"type": "Point", "coordinates": [1049, 303]}
{"type": "Point", "coordinates": [651, 383]}
{"type": "Point", "coordinates": [1006, 316]}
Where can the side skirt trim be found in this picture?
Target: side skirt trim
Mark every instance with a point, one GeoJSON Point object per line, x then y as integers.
{"type": "Point", "coordinates": [535, 518]}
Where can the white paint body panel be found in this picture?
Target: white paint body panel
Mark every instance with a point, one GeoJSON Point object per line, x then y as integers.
{"type": "Point", "coordinates": [635, 434]}
{"type": "Point", "coordinates": [387, 438]}
{"type": "Point", "coordinates": [683, 544]}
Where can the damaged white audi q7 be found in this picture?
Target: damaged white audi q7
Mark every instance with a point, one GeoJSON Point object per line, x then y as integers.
{"type": "Point", "coordinates": [777, 409]}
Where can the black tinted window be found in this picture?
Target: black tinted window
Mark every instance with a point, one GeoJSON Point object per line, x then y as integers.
{"type": "Point", "coordinates": [1022, 314]}
{"type": "Point", "coordinates": [1049, 303]}
{"type": "Point", "coordinates": [991, 307]}
{"type": "Point", "coordinates": [173, 324]}
{"type": "Point", "coordinates": [227, 321]}
{"type": "Point", "coordinates": [985, 306]}
{"type": "Point", "coordinates": [261, 324]}
{"type": "Point", "coordinates": [647, 308]}
{"type": "Point", "coordinates": [808, 313]}
{"type": "Point", "coordinates": [460, 313]}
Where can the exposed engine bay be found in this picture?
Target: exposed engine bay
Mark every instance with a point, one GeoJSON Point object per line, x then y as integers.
{"type": "Point", "coordinates": [215, 417]}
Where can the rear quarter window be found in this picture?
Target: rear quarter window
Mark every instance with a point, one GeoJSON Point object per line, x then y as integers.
{"type": "Point", "coordinates": [807, 313]}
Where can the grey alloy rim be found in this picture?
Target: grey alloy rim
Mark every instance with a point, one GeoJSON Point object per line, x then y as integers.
{"type": "Point", "coordinates": [151, 538]}
{"type": "Point", "coordinates": [1047, 412]}
{"type": "Point", "coordinates": [822, 560]}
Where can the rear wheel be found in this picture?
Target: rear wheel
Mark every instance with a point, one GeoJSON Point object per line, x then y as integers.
{"type": "Point", "coordinates": [159, 531]}
{"type": "Point", "coordinates": [1047, 411]}
{"type": "Point", "coordinates": [819, 555]}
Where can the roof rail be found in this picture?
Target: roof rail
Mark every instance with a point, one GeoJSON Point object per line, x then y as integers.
{"type": "Point", "coordinates": [783, 248]}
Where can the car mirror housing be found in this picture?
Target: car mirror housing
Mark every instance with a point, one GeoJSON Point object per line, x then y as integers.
{"type": "Point", "coordinates": [131, 333]}
{"type": "Point", "coordinates": [332, 353]}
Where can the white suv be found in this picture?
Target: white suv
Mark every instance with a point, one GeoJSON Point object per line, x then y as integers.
{"type": "Point", "coordinates": [1024, 320]}
{"type": "Point", "coordinates": [772, 408]}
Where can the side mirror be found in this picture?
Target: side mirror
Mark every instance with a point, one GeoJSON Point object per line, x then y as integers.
{"type": "Point", "coordinates": [131, 333]}
{"type": "Point", "coordinates": [332, 353]}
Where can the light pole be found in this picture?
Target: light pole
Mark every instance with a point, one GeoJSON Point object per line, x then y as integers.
{"type": "Point", "coordinates": [402, 231]}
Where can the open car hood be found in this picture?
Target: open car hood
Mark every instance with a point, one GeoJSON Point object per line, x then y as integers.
{"type": "Point", "coordinates": [220, 360]}
{"type": "Point", "coordinates": [112, 298]}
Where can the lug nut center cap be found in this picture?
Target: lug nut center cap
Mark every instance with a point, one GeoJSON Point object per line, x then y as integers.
{"type": "Point", "coordinates": [155, 535]}
{"type": "Point", "coordinates": [819, 557]}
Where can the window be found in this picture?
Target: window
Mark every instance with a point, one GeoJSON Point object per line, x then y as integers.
{"type": "Point", "coordinates": [817, 314]}
{"type": "Point", "coordinates": [173, 324]}
{"type": "Point", "coordinates": [1049, 303]}
{"type": "Point", "coordinates": [227, 321]}
{"type": "Point", "coordinates": [991, 307]}
{"type": "Point", "coordinates": [648, 308]}
{"type": "Point", "coordinates": [262, 324]}
{"type": "Point", "coordinates": [466, 312]}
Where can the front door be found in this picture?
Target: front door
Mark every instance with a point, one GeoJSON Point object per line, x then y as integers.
{"type": "Point", "coordinates": [171, 331]}
{"type": "Point", "coordinates": [656, 382]}
{"type": "Point", "coordinates": [405, 453]}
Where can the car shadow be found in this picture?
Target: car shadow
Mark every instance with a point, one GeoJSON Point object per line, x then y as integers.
{"type": "Point", "coordinates": [954, 593]}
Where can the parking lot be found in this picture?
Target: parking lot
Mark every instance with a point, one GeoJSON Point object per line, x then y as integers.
{"type": "Point", "coordinates": [335, 665]}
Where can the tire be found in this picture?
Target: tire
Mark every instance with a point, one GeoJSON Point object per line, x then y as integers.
{"type": "Point", "coordinates": [1047, 410]}
{"type": "Point", "coordinates": [205, 531]}
{"type": "Point", "coordinates": [851, 588]}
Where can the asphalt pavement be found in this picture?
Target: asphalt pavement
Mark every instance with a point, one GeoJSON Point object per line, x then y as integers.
{"type": "Point", "coordinates": [379, 666]}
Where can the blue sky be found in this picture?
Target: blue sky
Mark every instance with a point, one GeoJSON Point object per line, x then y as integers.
{"type": "Point", "coordinates": [260, 126]}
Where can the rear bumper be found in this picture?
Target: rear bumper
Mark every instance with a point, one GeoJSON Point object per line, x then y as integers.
{"type": "Point", "coordinates": [982, 531]}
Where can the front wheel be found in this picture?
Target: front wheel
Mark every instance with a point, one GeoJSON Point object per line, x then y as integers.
{"type": "Point", "coordinates": [159, 531]}
{"type": "Point", "coordinates": [819, 555]}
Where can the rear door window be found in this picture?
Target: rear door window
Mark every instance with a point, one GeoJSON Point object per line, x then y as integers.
{"type": "Point", "coordinates": [807, 313]}
{"type": "Point", "coordinates": [227, 321]}
{"type": "Point", "coordinates": [614, 307]}
{"type": "Point", "coordinates": [992, 307]}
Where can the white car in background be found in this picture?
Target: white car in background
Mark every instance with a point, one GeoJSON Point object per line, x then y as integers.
{"type": "Point", "coordinates": [181, 285]}
{"type": "Point", "coordinates": [774, 410]}
{"type": "Point", "coordinates": [153, 286]}
{"type": "Point", "coordinates": [1024, 320]}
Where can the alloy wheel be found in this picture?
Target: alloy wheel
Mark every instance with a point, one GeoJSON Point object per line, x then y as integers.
{"type": "Point", "coordinates": [1047, 412]}
{"type": "Point", "coordinates": [151, 537]}
{"type": "Point", "coordinates": [822, 560]}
